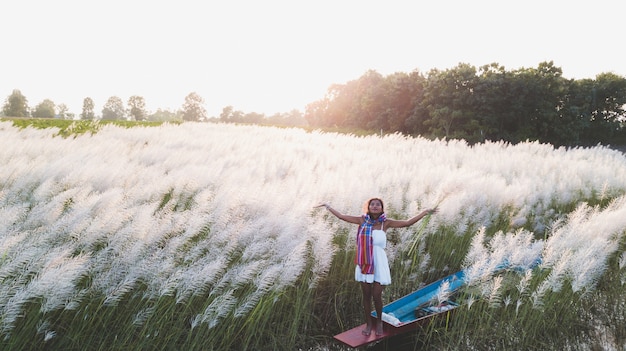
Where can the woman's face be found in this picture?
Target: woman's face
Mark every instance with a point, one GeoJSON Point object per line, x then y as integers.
{"type": "Point", "coordinates": [375, 207]}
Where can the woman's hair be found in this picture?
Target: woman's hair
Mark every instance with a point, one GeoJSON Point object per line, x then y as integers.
{"type": "Point", "coordinates": [366, 206]}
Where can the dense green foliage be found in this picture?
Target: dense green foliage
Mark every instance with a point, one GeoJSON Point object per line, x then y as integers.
{"type": "Point", "coordinates": [490, 103]}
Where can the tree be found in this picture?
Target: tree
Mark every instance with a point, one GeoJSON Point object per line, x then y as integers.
{"type": "Point", "coordinates": [610, 97]}
{"type": "Point", "coordinates": [226, 114]}
{"type": "Point", "coordinates": [229, 115]}
{"type": "Point", "coordinates": [294, 118]}
{"type": "Point", "coordinates": [449, 99]}
{"type": "Point", "coordinates": [137, 108]}
{"type": "Point", "coordinates": [356, 104]}
{"type": "Point", "coordinates": [165, 116]}
{"type": "Point", "coordinates": [62, 111]}
{"type": "Point", "coordinates": [401, 91]}
{"type": "Point", "coordinates": [315, 113]}
{"type": "Point", "coordinates": [88, 109]}
{"type": "Point", "coordinates": [113, 109]}
{"type": "Point", "coordinates": [193, 109]}
{"type": "Point", "coordinates": [16, 105]}
{"type": "Point", "coordinates": [493, 101]}
{"type": "Point", "coordinates": [45, 109]}
{"type": "Point", "coordinates": [253, 117]}
{"type": "Point", "coordinates": [368, 94]}
{"type": "Point", "coordinates": [548, 95]}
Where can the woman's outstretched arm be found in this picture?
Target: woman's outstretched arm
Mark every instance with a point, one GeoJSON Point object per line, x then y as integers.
{"type": "Point", "coordinates": [343, 217]}
{"type": "Point", "coordinates": [394, 223]}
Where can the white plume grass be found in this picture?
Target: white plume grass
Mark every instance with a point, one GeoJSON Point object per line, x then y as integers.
{"type": "Point", "coordinates": [224, 212]}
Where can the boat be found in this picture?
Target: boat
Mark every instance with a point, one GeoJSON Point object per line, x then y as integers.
{"type": "Point", "coordinates": [421, 306]}
{"type": "Point", "coordinates": [410, 311]}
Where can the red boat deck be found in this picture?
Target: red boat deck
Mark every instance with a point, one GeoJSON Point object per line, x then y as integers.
{"type": "Point", "coordinates": [354, 337]}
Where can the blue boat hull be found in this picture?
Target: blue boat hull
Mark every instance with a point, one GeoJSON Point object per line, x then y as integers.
{"type": "Point", "coordinates": [422, 302]}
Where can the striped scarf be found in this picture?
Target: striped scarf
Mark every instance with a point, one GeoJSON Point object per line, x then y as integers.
{"type": "Point", "coordinates": [365, 244]}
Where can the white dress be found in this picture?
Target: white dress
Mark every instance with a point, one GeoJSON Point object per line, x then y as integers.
{"type": "Point", "coordinates": [382, 273]}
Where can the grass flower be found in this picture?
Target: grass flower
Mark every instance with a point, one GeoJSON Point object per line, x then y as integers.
{"type": "Point", "coordinates": [443, 293]}
{"type": "Point", "coordinates": [495, 294]}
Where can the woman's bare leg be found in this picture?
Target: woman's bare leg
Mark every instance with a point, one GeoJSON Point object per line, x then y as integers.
{"type": "Point", "coordinates": [367, 307]}
{"type": "Point", "coordinates": [377, 294]}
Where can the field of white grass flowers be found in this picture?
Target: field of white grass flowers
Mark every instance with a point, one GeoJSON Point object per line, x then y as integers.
{"type": "Point", "coordinates": [204, 237]}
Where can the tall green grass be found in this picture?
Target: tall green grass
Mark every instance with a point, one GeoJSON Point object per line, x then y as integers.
{"type": "Point", "coordinates": [308, 313]}
{"type": "Point", "coordinates": [278, 321]}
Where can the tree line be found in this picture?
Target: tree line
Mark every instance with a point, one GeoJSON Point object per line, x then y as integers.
{"type": "Point", "coordinates": [488, 103]}
{"type": "Point", "coordinates": [16, 105]}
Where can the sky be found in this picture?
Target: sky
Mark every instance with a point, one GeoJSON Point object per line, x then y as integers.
{"type": "Point", "coordinates": [273, 56]}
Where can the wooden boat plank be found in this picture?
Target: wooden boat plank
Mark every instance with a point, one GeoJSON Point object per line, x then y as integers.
{"type": "Point", "coordinates": [355, 338]}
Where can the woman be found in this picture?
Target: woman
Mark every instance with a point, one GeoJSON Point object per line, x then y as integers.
{"type": "Point", "coordinates": [372, 269]}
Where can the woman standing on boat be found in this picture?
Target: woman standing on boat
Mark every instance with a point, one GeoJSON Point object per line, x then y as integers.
{"type": "Point", "coordinates": [372, 267]}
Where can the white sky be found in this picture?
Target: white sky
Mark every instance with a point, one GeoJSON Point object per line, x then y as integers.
{"type": "Point", "coordinates": [271, 56]}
